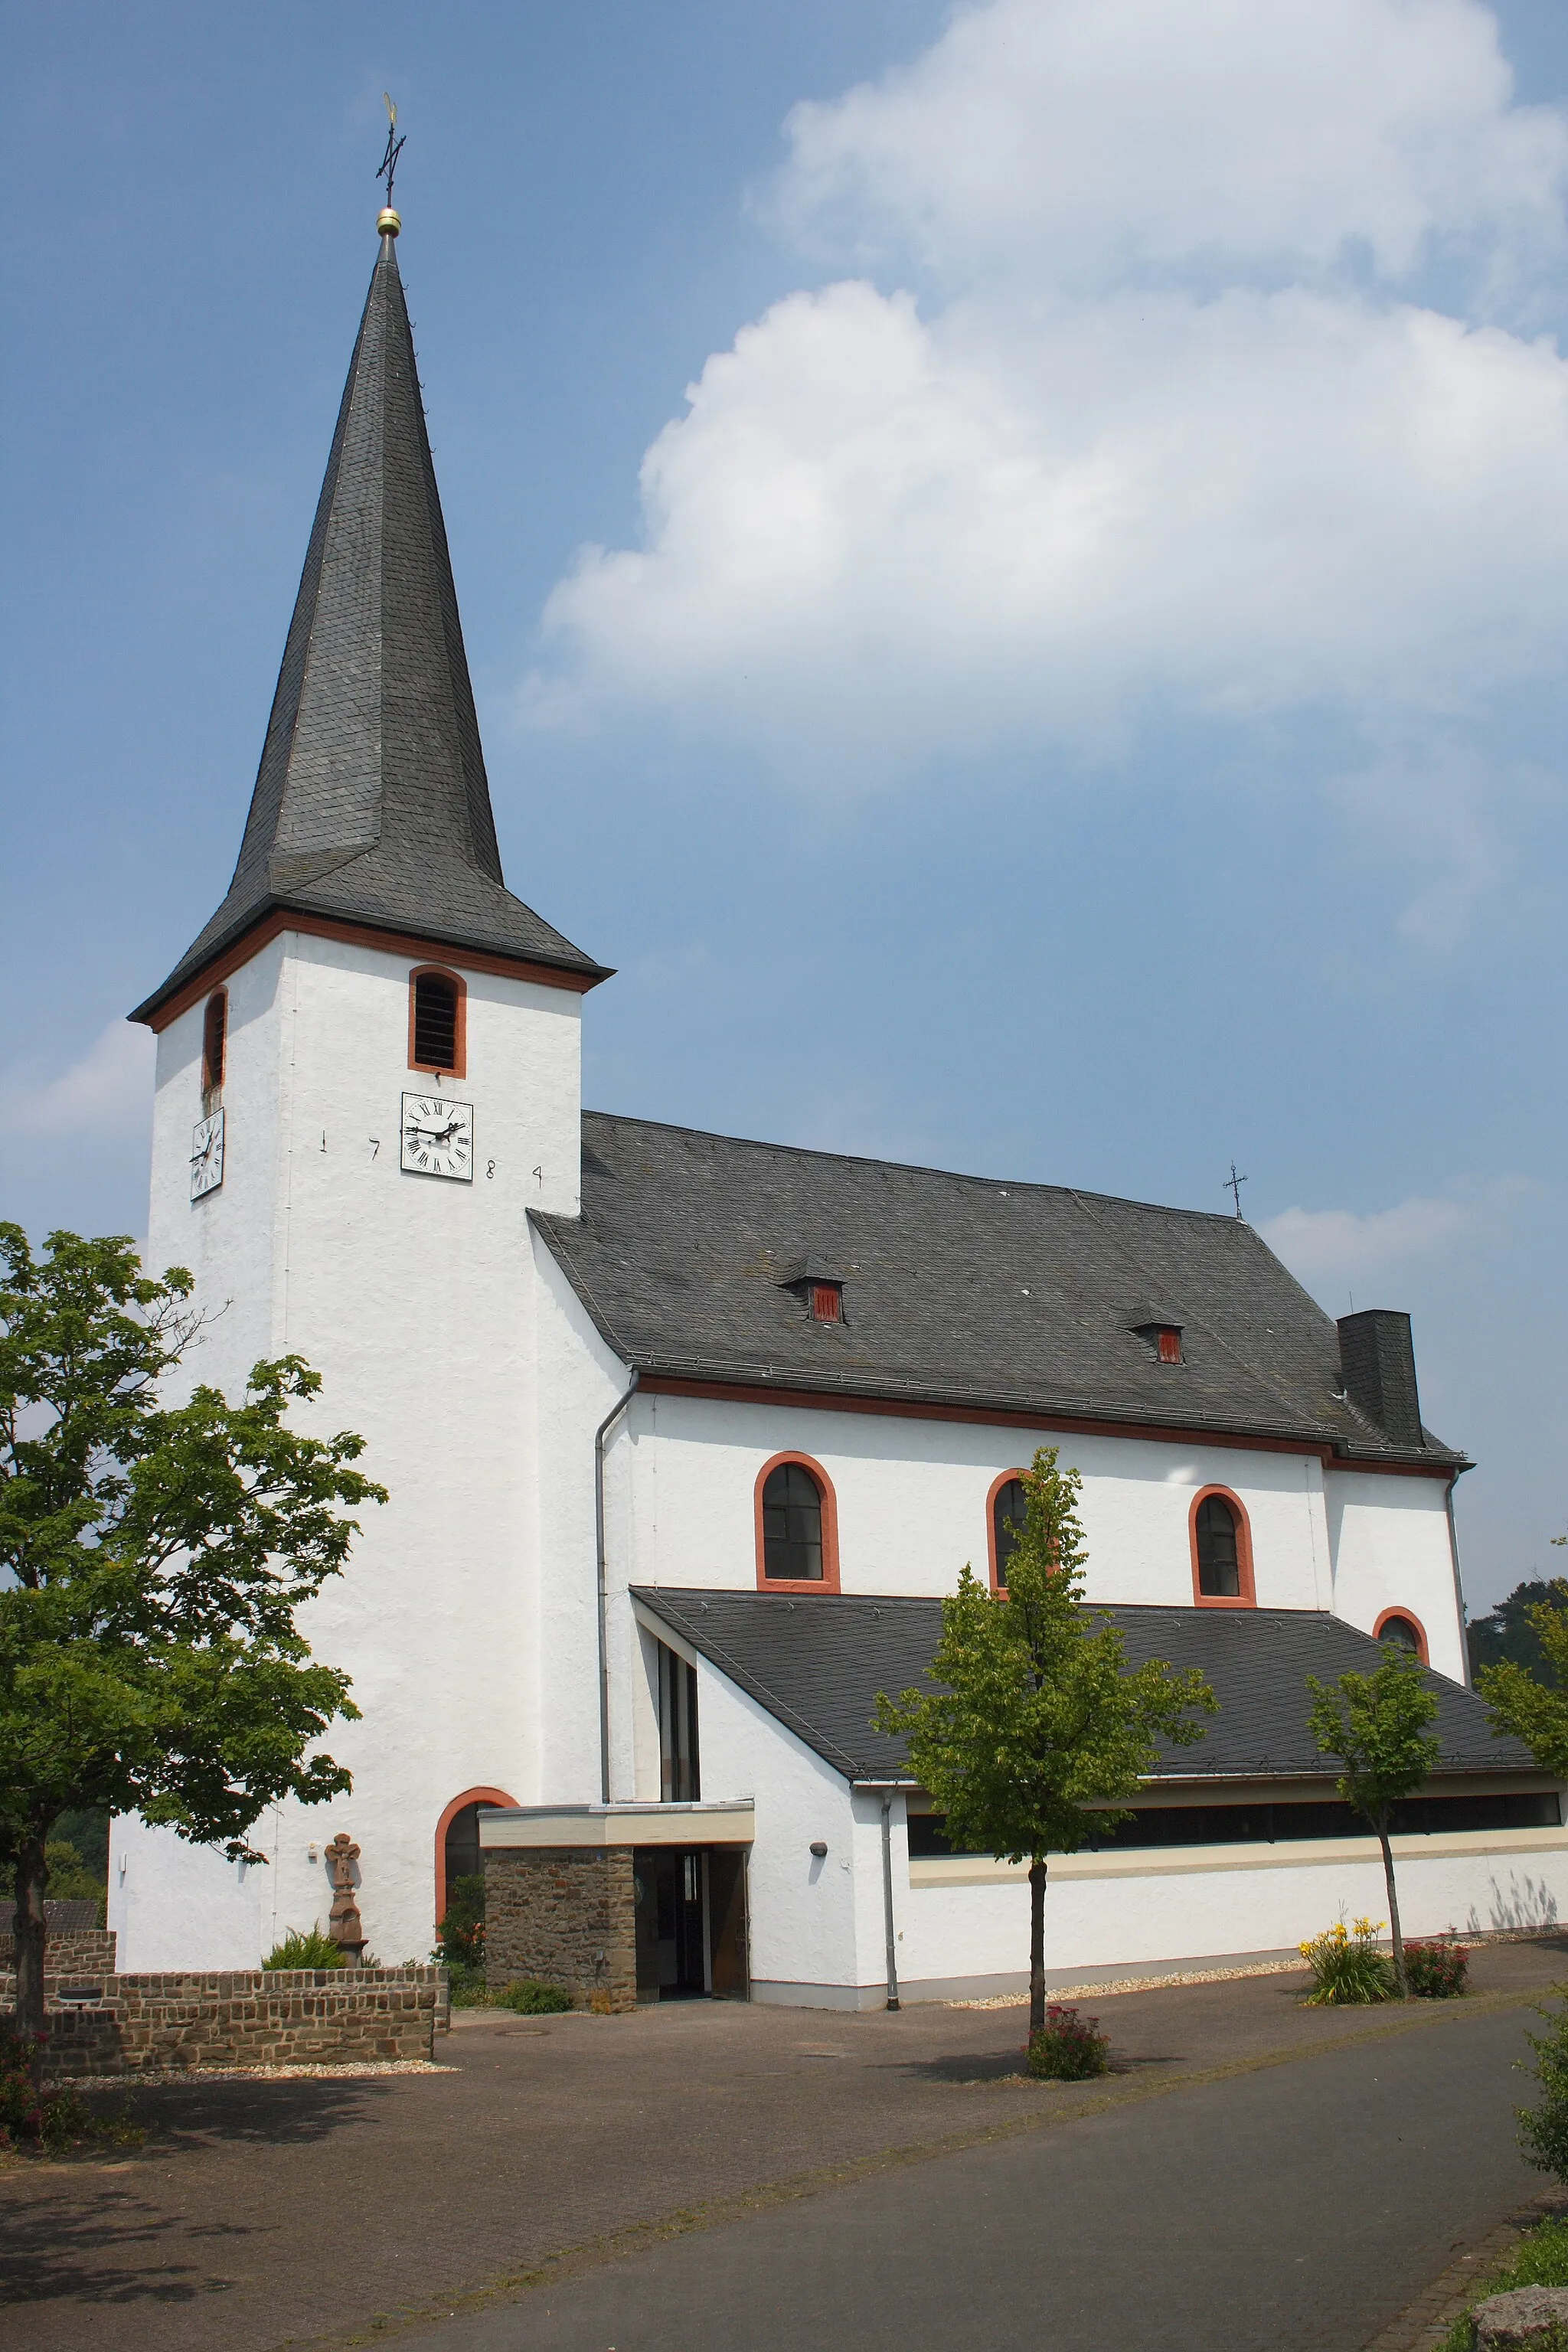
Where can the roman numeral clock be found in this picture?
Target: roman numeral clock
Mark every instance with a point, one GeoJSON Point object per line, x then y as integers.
{"type": "Point", "coordinates": [438, 1136]}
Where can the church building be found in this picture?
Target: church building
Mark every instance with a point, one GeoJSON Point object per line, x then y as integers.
{"type": "Point", "coordinates": [686, 1436]}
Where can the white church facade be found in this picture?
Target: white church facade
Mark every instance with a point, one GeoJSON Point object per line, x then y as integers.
{"type": "Point", "coordinates": [686, 1436]}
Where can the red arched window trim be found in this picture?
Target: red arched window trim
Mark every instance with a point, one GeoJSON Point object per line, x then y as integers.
{"type": "Point", "coordinates": [1006, 1478]}
{"type": "Point", "coordinates": [1411, 1619]}
{"type": "Point", "coordinates": [460, 1068]}
{"type": "Point", "coordinates": [1247, 1597]}
{"type": "Point", "coordinates": [829, 1582]}
{"type": "Point", "coordinates": [468, 1797]}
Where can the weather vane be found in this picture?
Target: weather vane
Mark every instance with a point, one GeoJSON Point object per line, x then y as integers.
{"type": "Point", "coordinates": [1232, 1185]}
{"type": "Point", "coordinates": [394, 148]}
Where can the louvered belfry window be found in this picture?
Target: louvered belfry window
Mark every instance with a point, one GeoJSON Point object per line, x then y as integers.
{"type": "Point", "coordinates": [214, 1034]}
{"type": "Point", "coordinates": [434, 1022]}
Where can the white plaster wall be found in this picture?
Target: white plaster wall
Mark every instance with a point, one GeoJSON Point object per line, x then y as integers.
{"type": "Point", "coordinates": [1214, 1903]}
{"type": "Point", "coordinates": [413, 1298]}
{"type": "Point", "coordinates": [805, 1929]}
{"type": "Point", "coordinates": [911, 1497]}
{"type": "Point", "coordinates": [1392, 1550]}
{"type": "Point", "coordinates": [578, 1380]}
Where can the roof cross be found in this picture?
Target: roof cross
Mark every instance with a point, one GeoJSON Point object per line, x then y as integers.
{"type": "Point", "coordinates": [395, 146]}
{"type": "Point", "coordinates": [1232, 1185]}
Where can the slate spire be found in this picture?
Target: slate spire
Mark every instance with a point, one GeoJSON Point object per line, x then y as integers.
{"type": "Point", "coordinates": [371, 804]}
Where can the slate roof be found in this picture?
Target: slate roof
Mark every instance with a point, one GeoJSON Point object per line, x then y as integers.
{"type": "Point", "coordinates": [372, 804]}
{"type": "Point", "coordinates": [817, 1665]}
{"type": "Point", "coordinates": [957, 1289]}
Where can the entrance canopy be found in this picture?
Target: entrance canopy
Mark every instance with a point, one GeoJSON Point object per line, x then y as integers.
{"type": "Point", "coordinates": [731, 1823]}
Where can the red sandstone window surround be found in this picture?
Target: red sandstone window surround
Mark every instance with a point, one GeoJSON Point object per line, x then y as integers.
{"type": "Point", "coordinates": [1403, 1627]}
{"type": "Point", "coordinates": [1003, 1523]}
{"type": "Point", "coordinates": [797, 1527]}
{"type": "Point", "coordinates": [482, 1800]}
{"type": "Point", "coordinates": [1221, 1540]}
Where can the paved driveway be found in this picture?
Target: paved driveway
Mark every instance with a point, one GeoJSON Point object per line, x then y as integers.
{"type": "Point", "coordinates": [1297, 2209]}
{"type": "Point", "coordinates": [261, 2214]}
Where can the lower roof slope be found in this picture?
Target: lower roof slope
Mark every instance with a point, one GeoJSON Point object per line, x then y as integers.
{"type": "Point", "coordinates": [818, 1666]}
{"type": "Point", "coordinates": [956, 1289]}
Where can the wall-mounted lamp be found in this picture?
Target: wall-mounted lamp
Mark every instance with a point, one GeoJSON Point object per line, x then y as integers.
{"type": "Point", "coordinates": [819, 1847]}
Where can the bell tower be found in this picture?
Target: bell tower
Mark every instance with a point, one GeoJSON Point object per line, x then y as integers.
{"type": "Point", "coordinates": [368, 1074]}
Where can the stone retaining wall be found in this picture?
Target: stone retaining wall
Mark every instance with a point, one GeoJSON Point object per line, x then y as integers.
{"type": "Point", "coordinates": [564, 1914]}
{"type": "Point", "coordinates": [84, 1957]}
{"type": "Point", "coordinates": [248, 2017]}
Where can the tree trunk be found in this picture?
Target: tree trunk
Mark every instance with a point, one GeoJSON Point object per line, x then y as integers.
{"type": "Point", "coordinates": [32, 1877]}
{"type": "Point", "coordinates": [1037, 1944]}
{"type": "Point", "coordinates": [1402, 1980]}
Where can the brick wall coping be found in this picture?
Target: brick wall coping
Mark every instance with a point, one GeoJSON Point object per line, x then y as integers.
{"type": "Point", "coordinates": [723, 1821]}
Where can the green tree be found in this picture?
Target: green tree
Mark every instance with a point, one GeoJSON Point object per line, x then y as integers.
{"type": "Point", "coordinates": [151, 1560]}
{"type": "Point", "coordinates": [1039, 1727]}
{"type": "Point", "coordinates": [1533, 1707]}
{"type": "Point", "coordinates": [1374, 1726]}
{"type": "Point", "coordinates": [1511, 1631]}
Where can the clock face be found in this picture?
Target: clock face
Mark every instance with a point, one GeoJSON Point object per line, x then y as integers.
{"type": "Point", "coordinates": [438, 1136]}
{"type": "Point", "coordinates": [207, 1155]}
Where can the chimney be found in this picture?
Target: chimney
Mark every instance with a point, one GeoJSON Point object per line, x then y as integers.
{"type": "Point", "coordinates": [1378, 1360]}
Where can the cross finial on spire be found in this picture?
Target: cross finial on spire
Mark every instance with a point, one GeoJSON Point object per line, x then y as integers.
{"type": "Point", "coordinates": [389, 223]}
{"type": "Point", "coordinates": [1232, 1185]}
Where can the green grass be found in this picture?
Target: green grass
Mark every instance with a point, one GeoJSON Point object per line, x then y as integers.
{"type": "Point", "coordinates": [1541, 2261]}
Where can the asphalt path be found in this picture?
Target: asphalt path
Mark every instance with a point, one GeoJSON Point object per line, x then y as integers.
{"type": "Point", "coordinates": [1305, 2205]}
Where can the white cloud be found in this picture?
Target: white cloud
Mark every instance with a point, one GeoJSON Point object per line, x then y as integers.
{"type": "Point", "coordinates": [1330, 1248]}
{"type": "Point", "coordinates": [1084, 141]}
{"type": "Point", "coordinates": [1169, 440]}
{"type": "Point", "coordinates": [106, 1091]}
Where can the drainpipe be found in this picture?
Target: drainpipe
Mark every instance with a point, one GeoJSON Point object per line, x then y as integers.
{"type": "Point", "coordinates": [599, 1436]}
{"type": "Point", "coordinates": [888, 1897]}
{"type": "Point", "coordinates": [1459, 1583]}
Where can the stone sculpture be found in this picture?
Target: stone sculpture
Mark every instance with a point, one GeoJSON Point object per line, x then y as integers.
{"type": "Point", "coordinates": [345, 1927]}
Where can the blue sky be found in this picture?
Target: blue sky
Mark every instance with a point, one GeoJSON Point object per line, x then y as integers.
{"type": "Point", "coordinates": [1076, 690]}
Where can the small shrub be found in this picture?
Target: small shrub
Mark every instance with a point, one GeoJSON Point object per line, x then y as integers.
{"type": "Point", "coordinates": [1347, 1968]}
{"type": "Point", "coordinates": [1436, 1971]}
{"type": "Point", "coordinates": [460, 1931]}
{"type": "Point", "coordinates": [51, 2123]}
{"type": "Point", "coordinates": [313, 1952]}
{"type": "Point", "coordinates": [1543, 2131]}
{"type": "Point", "coordinates": [1068, 2048]}
{"type": "Point", "coordinates": [530, 1998]}
{"type": "Point", "coordinates": [466, 1979]}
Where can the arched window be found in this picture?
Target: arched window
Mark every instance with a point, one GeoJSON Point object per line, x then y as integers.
{"type": "Point", "coordinates": [436, 1007]}
{"type": "Point", "coordinates": [1403, 1630]}
{"type": "Point", "coordinates": [1222, 1552]}
{"type": "Point", "coordinates": [1007, 1525]}
{"type": "Point", "coordinates": [797, 1537]}
{"type": "Point", "coordinates": [457, 1853]}
{"type": "Point", "coordinates": [215, 1039]}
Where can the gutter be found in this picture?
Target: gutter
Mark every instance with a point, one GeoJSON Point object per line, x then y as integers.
{"type": "Point", "coordinates": [599, 1436]}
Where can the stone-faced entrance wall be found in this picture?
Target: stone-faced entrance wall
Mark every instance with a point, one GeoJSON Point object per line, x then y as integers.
{"type": "Point", "coordinates": [564, 1914]}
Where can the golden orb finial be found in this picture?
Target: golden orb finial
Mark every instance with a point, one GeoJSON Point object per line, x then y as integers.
{"type": "Point", "coordinates": [387, 221]}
